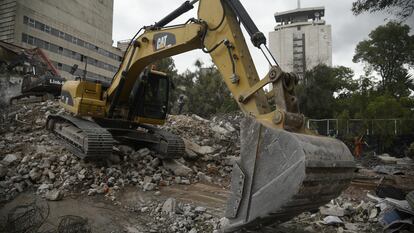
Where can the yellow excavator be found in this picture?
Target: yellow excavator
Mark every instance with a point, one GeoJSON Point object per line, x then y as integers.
{"type": "Point", "coordinates": [283, 169]}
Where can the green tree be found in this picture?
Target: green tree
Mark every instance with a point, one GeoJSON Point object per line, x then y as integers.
{"type": "Point", "coordinates": [209, 94]}
{"type": "Point", "coordinates": [388, 51]}
{"type": "Point", "coordinates": [401, 8]}
{"type": "Point", "coordinates": [323, 86]}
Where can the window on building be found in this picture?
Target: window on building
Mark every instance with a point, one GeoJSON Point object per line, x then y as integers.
{"type": "Point", "coordinates": [68, 37]}
{"type": "Point", "coordinates": [55, 32]}
{"type": "Point", "coordinates": [31, 22]}
{"type": "Point", "coordinates": [54, 48]}
{"type": "Point", "coordinates": [81, 43]}
{"type": "Point", "coordinates": [24, 38]}
{"type": "Point", "coordinates": [47, 29]}
{"type": "Point", "coordinates": [60, 50]}
{"type": "Point", "coordinates": [67, 53]}
{"type": "Point", "coordinates": [40, 26]}
{"type": "Point", "coordinates": [60, 66]}
{"type": "Point", "coordinates": [30, 40]}
{"type": "Point", "coordinates": [62, 35]}
{"type": "Point", "coordinates": [25, 19]}
{"type": "Point", "coordinates": [74, 40]}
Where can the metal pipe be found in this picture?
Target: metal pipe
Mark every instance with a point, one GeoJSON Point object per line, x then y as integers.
{"type": "Point", "coordinates": [186, 6]}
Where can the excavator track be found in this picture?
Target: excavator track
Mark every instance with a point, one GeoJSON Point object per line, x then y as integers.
{"type": "Point", "coordinates": [86, 139]}
{"type": "Point", "coordinates": [171, 145]}
{"type": "Point", "coordinates": [168, 145]}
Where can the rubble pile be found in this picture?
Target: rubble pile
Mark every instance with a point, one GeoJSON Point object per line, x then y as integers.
{"type": "Point", "coordinates": [175, 216]}
{"type": "Point", "coordinates": [34, 158]}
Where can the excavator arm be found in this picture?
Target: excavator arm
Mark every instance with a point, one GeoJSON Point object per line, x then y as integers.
{"type": "Point", "coordinates": [217, 32]}
{"type": "Point", "coordinates": [283, 170]}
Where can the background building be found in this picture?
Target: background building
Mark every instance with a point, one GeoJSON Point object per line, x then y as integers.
{"type": "Point", "coordinates": [301, 39]}
{"type": "Point", "coordinates": [70, 32]}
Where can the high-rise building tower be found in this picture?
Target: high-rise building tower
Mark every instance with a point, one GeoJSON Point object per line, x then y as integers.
{"type": "Point", "coordinates": [301, 39]}
{"type": "Point", "coordinates": [70, 32]}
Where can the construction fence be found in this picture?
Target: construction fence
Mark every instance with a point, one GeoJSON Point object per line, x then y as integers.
{"type": "Point", "coordinates": [357, 127]}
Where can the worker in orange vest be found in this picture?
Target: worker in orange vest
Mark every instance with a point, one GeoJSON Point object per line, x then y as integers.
{"type": "Point", "coordinates": [359, 143]}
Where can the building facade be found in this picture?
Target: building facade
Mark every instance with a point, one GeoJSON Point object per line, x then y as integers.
{"type": "Point", "coordinates": [301, 40]}
{"type": "Point", "coordinates": [70, 32]}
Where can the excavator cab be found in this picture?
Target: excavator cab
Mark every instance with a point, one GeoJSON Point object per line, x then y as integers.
{"type": "Point", "coordinates": [149, 98]}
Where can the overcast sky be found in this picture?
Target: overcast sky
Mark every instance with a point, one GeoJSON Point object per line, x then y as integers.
{"type": "Point", "coordinates": [347, 29]}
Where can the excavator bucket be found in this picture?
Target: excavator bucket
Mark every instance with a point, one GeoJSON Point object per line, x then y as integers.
{"type": "Point", "coordinates": [282, 174]}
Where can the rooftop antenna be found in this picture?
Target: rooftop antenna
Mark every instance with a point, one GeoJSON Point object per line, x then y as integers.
{"type": "Point", "coordinates": [298, 4]}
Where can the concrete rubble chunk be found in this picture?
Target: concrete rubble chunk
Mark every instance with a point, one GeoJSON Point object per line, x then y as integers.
{"type": "Point", "coordinates": [200, 209]}
{"type": "Point", "coordinates": [200, 118]}
{"type": "Point", "coordinates": [144, 152]}
{"type": "Point", "coordinates": [190, 154]}
{"type": "Point", "coordinates": [176, 167]}
{"type": "Point", "coordinates": [204, 178]}
{"type": "Point", "coordinates": [332, 210]}
{"type": "Point", "coordinates": [10, 159]}
{"type": "Point", "coordinates": [169, 206]}
{"type": "Point", "coordinates": [229, 127]}
{"type": "Point", "coordinates": [149, 186]}
{"type": "Point", "coordinates": [332, 220]}
{"type": "Point", "coordinates": [230, 160]}
{"type": "Point", "coordinates": [34, 174]}
{"type": "Point", "coordinates": [220, 130]}
{"type": "Point", "coordinates": [351, 226]}
{"type": "Point", "coordinates": [19, 187]}
{"type": "Point", "coordinates": [54, 195]}
{"type": "Point", "coordinates": [43, 187]}
{"type": "Point", "coordinates": [202, 150]}
{"type": "Point", "coordinates": [3, 171]}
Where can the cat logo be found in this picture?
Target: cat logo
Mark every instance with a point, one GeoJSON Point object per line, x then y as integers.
{"type": "Point", "coordinates": [53, 81]}
{"type": "Point", "coordinates": [163, 40]}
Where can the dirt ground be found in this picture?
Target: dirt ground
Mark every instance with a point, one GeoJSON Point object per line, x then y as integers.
{"type": "Point", "coordinates": [108, 217]}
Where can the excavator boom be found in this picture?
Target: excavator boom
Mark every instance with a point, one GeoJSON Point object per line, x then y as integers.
{"type": "Point", "coordinates": [283, 169]}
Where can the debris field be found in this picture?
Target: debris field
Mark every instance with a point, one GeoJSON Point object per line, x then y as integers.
{"type": "Point", "coordinates": [183, 195]}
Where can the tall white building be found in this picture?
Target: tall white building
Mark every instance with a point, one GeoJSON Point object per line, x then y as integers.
{"type": "Point", "coordinates": [301, 39]}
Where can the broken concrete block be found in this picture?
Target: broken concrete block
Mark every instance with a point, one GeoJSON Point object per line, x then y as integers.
{"type": "Point", "coordinates": [202, 177]}
{"type": "Point", "coordinates": [229, 127]}
{"type": "Point", "coordinates": [34, 174]}
{"type": "Point", "coordinates": [149, 186]}
{"type": "Point", "coordinates": [332, 220]}
{"type": "Point", "coordinates": [220, 130]}
{"type": "Point", "coordinates": [3, 171]}
{"type": "Point", "coordinates": [176, 167]}
{"type": "Point", "coordinates": [54, 195]}
{"type": "Point", "coordinates": [332, 210]}
{"type": "Point", "coordinates": [169, 206]}
{"type": "Point", "coordinates": [10, 159]}
{"type": "Point", "coordinates": [202, 150]}
{"type": "Point", "coordinates": [200, 209]}
{"type": "Point", "coordinates": [190, 154]}
{"type": "Point", "coordinates": [144, 152]}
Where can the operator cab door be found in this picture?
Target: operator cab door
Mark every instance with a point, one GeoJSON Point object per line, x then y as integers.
{"type": "Point", "coordinates": [149, 99]}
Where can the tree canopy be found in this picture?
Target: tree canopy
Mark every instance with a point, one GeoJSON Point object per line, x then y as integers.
{"type": "Point", "coordinates": [389, 51]}
{"type": "Point", "coordinates": [401, 8]}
